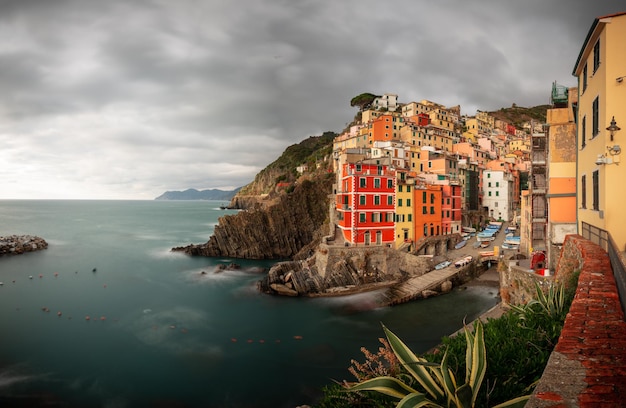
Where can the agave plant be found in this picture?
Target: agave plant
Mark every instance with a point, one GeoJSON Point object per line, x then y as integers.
{"type": "Point", "coordinates": [553, 303]}
{"type": "Point", "coordinates": [439, 387]}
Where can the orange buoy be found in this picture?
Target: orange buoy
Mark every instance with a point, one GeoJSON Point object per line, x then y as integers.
{"type": "Point", "coordinates": [297, 337]}
{"type": "Point", "coordinates": [103, 318]}
{"type": "Point", "coordinates": [234, 340]}
{"type": "Point", "coordinates": [87, 317]}
{"type": "Point", "coordinates": [59, 314]}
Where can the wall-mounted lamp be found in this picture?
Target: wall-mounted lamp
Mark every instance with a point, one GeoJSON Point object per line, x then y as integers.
{"type": "Point", "coordinates": [603, 159]}
{"type": "Point", "coordinates": [613, 128]}
{"type": "Point", "coordinates": [620, 79]}
{"type": "Point", "coordinates": [614, 150]}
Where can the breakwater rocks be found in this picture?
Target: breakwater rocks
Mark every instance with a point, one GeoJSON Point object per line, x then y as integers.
{"type": "Point", "coordinates": [19, 244]}
{"type": "Point", "coordinates": [278, 230]}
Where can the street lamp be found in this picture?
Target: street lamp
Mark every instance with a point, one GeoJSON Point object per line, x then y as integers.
{"type": "Point", "coordinates": [613, 128]}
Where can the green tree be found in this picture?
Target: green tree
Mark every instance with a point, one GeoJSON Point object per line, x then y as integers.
{"type": "Point", "coordinates": [363, 101]}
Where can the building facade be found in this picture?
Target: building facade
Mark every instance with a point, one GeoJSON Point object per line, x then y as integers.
{"type": "Point", "coordinates": [601, 72]}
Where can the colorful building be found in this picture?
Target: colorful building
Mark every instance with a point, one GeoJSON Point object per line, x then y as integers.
{"type": "Point", "coordinates": [601, 72]}
{"type": "Point", "coordinates": [427, 199]}
{"type": "Point", "coordinates": [561, 172]}
{"type": "Point", "coordinates": [365, 204]}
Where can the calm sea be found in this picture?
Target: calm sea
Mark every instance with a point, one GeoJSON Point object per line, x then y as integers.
{"type": "Point", "coordinates": [161, 333]}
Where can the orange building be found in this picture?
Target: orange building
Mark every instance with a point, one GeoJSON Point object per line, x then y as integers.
{"type": "Point", "coordinates": [385, 128]}
{"type": "Point", "coordinates": [427, 209]}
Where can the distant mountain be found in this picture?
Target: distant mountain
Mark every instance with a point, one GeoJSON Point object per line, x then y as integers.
{"type": "Point", "coordinates": [193, 194]}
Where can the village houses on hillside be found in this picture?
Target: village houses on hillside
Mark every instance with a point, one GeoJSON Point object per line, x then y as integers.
{"type": "Point", "coordinates": [414, 170]}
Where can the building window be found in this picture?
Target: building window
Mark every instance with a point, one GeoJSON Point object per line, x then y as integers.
{"type": "Point", "coordinates": [410, 217]}
{"type": "Point", "coordinates": [489, 184]}
{"type": "Point", "coordinates": [362, 217]}
{"type": "Point", "coordinates": [585, 78]}
{"type": "Point", "coordinates": [362, 199]}
{"type": "Point", "coordinates": [389, 200]}
{"type": "Point", "coordinates": [432, 199]}
{"type": "Point", "coordinates": [583, 191]}
{"type": "Point", "coordinates": [497, 193]}
{"type": "Point", "coordinates": [583, 131]}
{"type": "Point", "coordinates": [377, 183]}
{"type": "Point", "coordinates": [490, 194]}
{"type": "Point", "coordinates": [400, 188]}
{"type": "Point", "coordinates": [389, 183]}
{"type": "Point", "coordinates": [424, 210]}
{"type": "Point", "coordinates": [497, 184]}
{"type": "Point", "coordinates": [432, 210]}
{"type": "Point", "coordinates": [596, 190]}
{"type": "Point", "coordinates": [408, 189]}
{"type": "Point", "coordinates": [596, 56]}
{"type": "Point", "coordinates": [362, 182]}
{"type": "Point", "coordinates": [596, 117]}
{"type": "Point", "coordinates": [377, 200]}
{"type": "Point", "coordinates": [399, 202]}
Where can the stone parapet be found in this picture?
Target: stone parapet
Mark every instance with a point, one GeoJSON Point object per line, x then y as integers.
{"type": "Point", "coordinates": [588, 365]}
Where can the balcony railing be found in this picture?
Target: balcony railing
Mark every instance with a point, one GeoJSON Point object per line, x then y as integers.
{"type": "Point", "coordinates": [604, 240]}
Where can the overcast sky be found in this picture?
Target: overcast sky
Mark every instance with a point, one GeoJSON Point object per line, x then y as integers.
{"type": "Point", "coordinates": [127, 99]}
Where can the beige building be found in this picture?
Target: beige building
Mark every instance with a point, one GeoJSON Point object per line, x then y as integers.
{"type": "Point", "coordinates": [601, 72]}
{"type": "Point", "coordinates": [561, 171]}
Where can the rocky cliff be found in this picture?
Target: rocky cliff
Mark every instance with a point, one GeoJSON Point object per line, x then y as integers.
{"type": "Point", "coordinates": [276, 227]}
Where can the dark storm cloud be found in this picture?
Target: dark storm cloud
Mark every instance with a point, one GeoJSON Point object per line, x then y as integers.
{"type": "Point", "coordinates": [126, 99]}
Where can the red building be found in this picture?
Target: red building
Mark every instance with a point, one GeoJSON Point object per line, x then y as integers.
{"type": "Point", "coordinates": [451, 204]}
{"type": "Point", "coordinates": [365, 203]}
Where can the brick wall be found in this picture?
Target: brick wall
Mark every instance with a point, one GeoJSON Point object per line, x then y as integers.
{"type": "Point", "coordinates": [588, 365]}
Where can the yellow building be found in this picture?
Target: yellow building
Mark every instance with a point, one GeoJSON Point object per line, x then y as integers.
{"type": "Point", "coordinates": [404, 211]}
{"type": "Point", "coordinates": [601, 72]}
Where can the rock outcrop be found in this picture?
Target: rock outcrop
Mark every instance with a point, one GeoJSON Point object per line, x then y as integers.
{"type": "Point", "coordinates": [19, 244]}
{"type": "Point", "coordinates": [275, 227]}
{"type": "Point", "coordinates": [336, 270]}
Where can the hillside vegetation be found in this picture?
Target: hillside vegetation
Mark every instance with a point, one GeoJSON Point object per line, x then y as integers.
{"type": "Point", "coordinates": [310, 151]}
{"type": "Point", "coordinates": [517, 115]}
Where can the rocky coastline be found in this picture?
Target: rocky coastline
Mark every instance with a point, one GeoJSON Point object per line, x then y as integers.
{"type": "Point", "coordinates": [20, 244]}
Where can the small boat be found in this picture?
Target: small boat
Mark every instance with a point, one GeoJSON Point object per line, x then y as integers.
{"type": "Point", "coordinates": [460, 244]}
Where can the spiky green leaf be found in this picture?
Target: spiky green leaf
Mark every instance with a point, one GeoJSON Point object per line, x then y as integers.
{"type": "Point", "coordinates": [414, 365]}
{"type": "Point", "coordinates": [479, 361]}
{"type": "Point", "coordinates": [416, 401]}
{"type": "Point", "coordinates": [464, 396]}
{"type": "Point", "coordinates": [449, 381]}
{"type": "Point", "coordinates": [385, 385]}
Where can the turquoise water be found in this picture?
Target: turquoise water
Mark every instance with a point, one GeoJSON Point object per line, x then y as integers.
{"type": "Point", "coordinates": [159, 332]}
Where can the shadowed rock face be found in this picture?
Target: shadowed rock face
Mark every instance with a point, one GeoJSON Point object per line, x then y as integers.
{"type": "Point", "coordinates": [278, 230]}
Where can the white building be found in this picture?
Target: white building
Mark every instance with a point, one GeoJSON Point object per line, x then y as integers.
{"type": "Point", "coordinates": [498, 194]}
{"type": "Point", "coordinates": [386, 102]}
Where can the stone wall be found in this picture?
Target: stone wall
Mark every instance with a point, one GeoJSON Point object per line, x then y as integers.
{"type": "Point", "coordinates": [588, 365]}
{"type": "Point", "coordinates": [518, 284]}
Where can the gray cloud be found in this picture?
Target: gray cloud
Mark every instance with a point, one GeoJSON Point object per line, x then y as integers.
{"type": "Point", "coordinates": [122, 99]}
